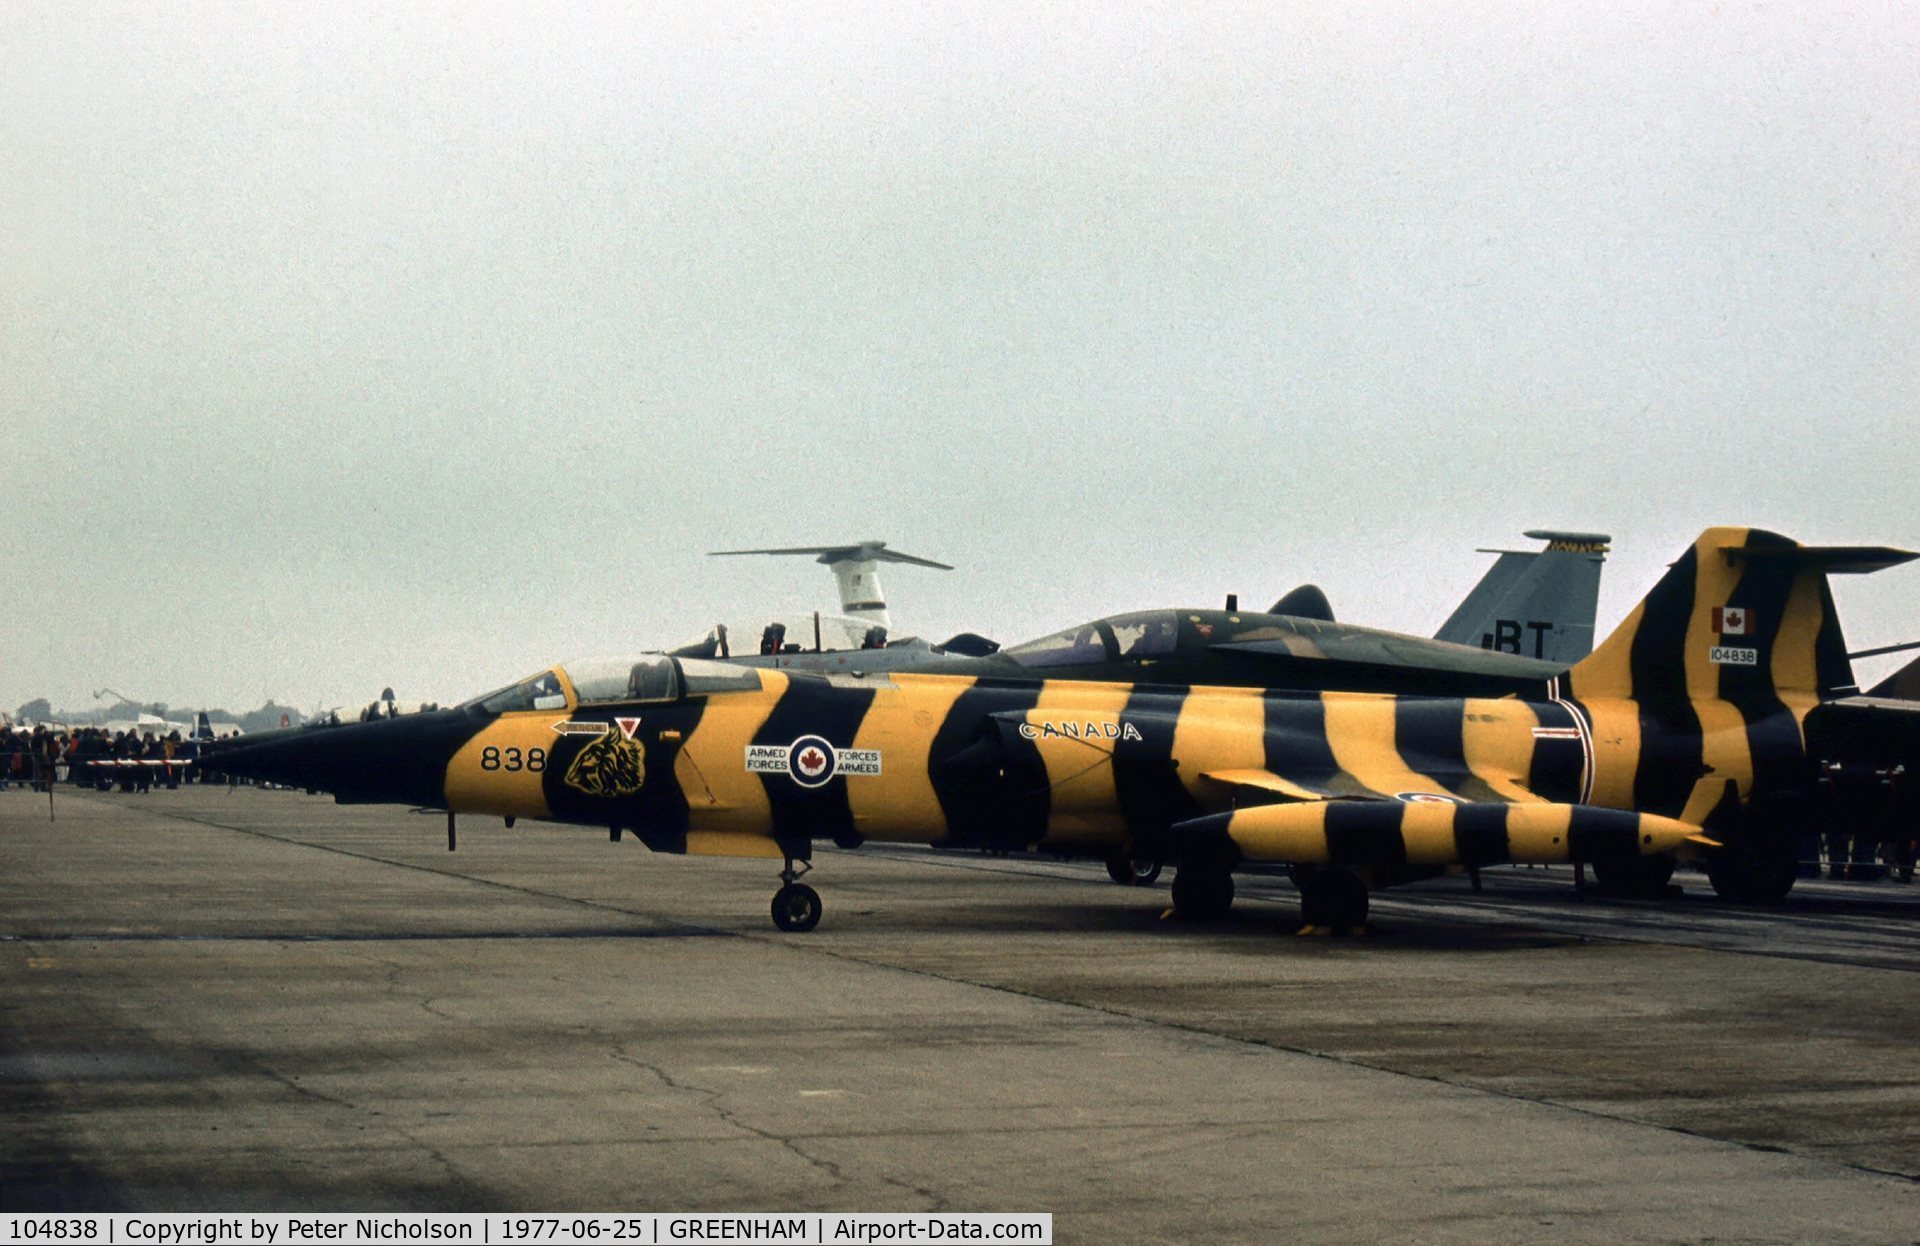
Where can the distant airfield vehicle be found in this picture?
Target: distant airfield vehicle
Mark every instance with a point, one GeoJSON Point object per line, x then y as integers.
{"type": "Point", "coordinates": [1682, 732]}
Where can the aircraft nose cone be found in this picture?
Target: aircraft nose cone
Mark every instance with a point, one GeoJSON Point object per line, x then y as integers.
{"type": "Point", "coordinates": [399, 761]}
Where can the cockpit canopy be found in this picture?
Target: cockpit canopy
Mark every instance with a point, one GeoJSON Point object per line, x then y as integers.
{"type": "Point", "coordinates": [541, 692]}
{"type": "Point", "coordinates": [619, 681]}
{"type": "Point", "coordinates": [1142, 636]}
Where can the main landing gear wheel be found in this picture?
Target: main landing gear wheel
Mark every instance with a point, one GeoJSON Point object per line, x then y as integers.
{"type": "Point", "coordinates": [796, 906]}
{"type": "Point", "coordinates": [1756, 870]}
{"type": "Point", "coordinates": [1132, 872]}
{"type": "Point", "coordinates": [1759, 856]}
{"type": "Point", "coordinates": [1331, 899]}
{"type": "Point", "coordinates": [1202, 894]}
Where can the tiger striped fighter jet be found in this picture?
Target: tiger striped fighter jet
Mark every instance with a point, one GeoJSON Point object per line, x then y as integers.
{"type": "Point", "coordinates": [1680, 733]}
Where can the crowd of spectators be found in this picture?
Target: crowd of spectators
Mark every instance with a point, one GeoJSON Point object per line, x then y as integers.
{"type": "Point", "coordinates": [94, 756]}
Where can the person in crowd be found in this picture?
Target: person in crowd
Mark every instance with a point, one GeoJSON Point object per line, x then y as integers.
{"type": "Point", "coordinates": [98, 752]}
{"type": "Point", "coordinates": [86, 747]}
{"type": "Point", "coordinates": [13, 755]}
{"type": "Point", "coordinates": [148, 755]}
{"type": "Point", "coordinates": [186, 753]}
{"type": "Point", "coordinates": [47, 753]}
{"type": "Point", "coordinates": [126, 748]}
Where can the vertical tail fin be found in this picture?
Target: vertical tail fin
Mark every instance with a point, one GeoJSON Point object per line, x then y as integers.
{"type": "Point", "coordinates": [1539, 605]}
{"type": "Point", "coordinates": [1743, 616]}
{"type": "Point", "coordinates": [1702, 689]}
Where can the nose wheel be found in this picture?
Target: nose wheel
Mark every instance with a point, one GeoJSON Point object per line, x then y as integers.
{"type": "Point", "coordinates": [796, 906]}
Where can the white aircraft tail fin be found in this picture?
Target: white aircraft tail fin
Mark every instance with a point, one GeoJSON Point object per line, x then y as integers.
{"type": "Point", "coordinates": [855, 568]}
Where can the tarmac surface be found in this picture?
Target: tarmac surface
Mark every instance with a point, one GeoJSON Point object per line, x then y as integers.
{"type": "Point", "coordinates": [259, 1000]}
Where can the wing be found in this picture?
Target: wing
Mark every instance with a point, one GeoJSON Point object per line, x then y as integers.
{"type": "Point", "coordinates": [1401, 782]}
{"type": "Point", "coordinates": [1257, 787]}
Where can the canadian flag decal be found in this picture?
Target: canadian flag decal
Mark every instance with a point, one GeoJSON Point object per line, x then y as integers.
{"type": "Point", "coordinates": [1730, 620]}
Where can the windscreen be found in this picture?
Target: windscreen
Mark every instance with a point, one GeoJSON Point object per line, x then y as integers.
{"type": "Point", "coordinates": [542, 692]}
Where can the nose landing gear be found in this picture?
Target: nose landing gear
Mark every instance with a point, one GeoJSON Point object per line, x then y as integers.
{"type": "Point", "coordinates": [796, 906]}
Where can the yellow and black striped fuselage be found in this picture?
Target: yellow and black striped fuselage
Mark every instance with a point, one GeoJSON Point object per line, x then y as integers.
{"type": "Point", "coordinates": [1076, 767]}
{"type": "Point", "coordinates": [1690, 715]}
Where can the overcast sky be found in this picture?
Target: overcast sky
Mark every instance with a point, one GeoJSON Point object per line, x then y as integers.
{"type": "Point", "coordinates": [352, 346]}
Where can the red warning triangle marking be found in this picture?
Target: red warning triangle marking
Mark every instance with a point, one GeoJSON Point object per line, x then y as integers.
{"type": "Point", "coordinates": [628, 726]}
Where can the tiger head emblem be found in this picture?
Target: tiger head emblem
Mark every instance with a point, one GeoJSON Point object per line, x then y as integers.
{"type": "Point", "coordinates": [610, 766]}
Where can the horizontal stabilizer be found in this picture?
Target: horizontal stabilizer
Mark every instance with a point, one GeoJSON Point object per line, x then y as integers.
{"type": "Point", "coordinates": [1831, 559]}
{"type": "Point", "coordinates": [864, 551]}
{"type": "Point", "coordinates": [1573, 542]}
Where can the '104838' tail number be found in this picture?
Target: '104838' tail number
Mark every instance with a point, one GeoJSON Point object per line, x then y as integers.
{"type": "Point", "coordinates": [492, 758]}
